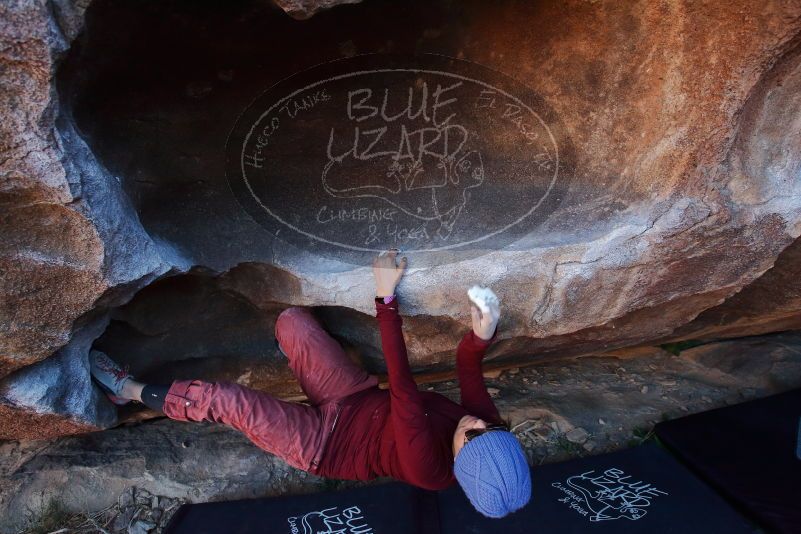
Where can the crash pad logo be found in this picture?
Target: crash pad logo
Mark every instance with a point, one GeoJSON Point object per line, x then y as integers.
{"type": "Point", "coordinates": [330, 521]}
{"type": "Point", "coordinates": [608, 495]}
{"type": "Point", "coordinates": [427, 154]}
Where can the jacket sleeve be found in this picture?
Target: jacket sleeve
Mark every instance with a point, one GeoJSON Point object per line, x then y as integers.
{"type": "Point", "coordinates": [475, 398]}
{"type": "Point", "coordinates": [420, 456]}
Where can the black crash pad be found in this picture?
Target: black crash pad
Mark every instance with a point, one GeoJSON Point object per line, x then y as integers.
{"type": "Point", "coordinates": [392, 508]}
{"type": "Point", "coordinates": [749, 453]}
{"type": "Point", "coordinates": [640, 490]}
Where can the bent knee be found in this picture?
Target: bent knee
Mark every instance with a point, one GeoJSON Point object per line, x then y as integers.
{"type": "Point", "coordinates": [287, 320]}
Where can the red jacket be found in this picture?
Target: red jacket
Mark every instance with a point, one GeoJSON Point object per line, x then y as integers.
{"type": "Point", "coordinates": [404, 433]}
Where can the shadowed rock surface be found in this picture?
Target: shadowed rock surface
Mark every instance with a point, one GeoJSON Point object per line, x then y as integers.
{"type": "Point", "coordinates": [769, 304]}
{"type": "Point", "coordinates": [678, 185]}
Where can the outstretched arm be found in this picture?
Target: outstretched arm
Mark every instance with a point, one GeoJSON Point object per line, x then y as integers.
{"type": "Point", "coordinates": [475, 397]}
{"type": "Point", "coordinates": [469, 355]}
{"type": "Point", "coordinates": [415, 440]}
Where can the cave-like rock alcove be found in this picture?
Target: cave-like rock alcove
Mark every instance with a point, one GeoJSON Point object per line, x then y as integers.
{"type": "Point", "coordinates": [625, 176]}
{"type": "Point", "coordinates": [213, 163]}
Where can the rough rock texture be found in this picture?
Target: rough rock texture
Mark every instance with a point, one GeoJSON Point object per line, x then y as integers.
{"type": "Point", "coordinates": [161, 457]}
{"type": "Point", "coordinates": [558, 411]}
{"type": "Point", "coordinates": [303, 9]}
{"type": "Point", "coordinates": [71, 241]}
{"type": "Point", "coordinates": [72, 245]}
{"type": "Point", "coordinates": [769, 304]}
{"type": "Point", "coordinates": [680, 120]}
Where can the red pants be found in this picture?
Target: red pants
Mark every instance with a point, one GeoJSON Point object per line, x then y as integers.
{"type": "Point", "coordinates": [295, 432]}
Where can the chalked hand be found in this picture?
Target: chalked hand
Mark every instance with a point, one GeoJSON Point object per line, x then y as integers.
{"type": "Point", "coordinates": [387, 273]}
{"type": "Point", "coordinates": [485, 311]}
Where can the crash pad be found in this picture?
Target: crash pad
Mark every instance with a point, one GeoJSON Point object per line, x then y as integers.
{"type": "Point", "coordinates": [639, 490]}
{"type": "Point", "coordinates": [748, 453]}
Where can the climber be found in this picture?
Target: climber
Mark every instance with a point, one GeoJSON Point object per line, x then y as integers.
{"type": "Point", "coordinates": [352, 429]}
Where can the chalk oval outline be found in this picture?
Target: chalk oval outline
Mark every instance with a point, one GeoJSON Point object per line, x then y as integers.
{"type": "Point", "coordinates": [314, 237]}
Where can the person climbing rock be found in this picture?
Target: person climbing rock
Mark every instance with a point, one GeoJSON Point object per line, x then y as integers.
{"type": "Point", "coordinates": [352, 429]}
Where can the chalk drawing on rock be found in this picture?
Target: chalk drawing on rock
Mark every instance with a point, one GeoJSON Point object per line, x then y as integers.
{"type": "Point", "coordinates": [427, 154]}
{"type": "Point", "coordinates": [430, 185]}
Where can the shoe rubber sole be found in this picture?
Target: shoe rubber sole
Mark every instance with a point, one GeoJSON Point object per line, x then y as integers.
{"type": "Point", "coordinates": [119, 401]}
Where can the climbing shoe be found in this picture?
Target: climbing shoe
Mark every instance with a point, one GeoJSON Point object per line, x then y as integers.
{"type": "Point", "coordinates": [108, 375]}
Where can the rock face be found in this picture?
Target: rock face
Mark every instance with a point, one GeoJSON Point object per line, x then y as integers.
{"type": "Point", "coordinates": [769, 304]}
{"type": "Point", "coordinates": [303, 9]}
{"type": "Point", "coordinates": [71, 240]}
{"type": "Point", "coordinates": [661, 151]}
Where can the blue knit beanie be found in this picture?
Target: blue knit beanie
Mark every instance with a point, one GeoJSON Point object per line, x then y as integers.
{"type": "Point", "coordinates": [494, 474]}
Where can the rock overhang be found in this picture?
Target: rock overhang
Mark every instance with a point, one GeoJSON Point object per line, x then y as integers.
{"type": "Point", "coordinates": [668, 203]}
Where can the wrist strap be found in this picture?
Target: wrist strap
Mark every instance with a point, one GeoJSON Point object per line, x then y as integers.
{"type": "Point", "coordinates": [385, 300]}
